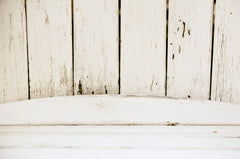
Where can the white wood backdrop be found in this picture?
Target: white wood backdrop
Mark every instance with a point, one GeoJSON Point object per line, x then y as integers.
{"type": "Point", "coordinates": [143, 47]}
{"type": "Point", "coordinates": [13, 51]}
{"type": "Point", "coordinates": [189, 48]}
{"type": "Point", "coordinates": [50, 47]}
{"type": "Point", "coordinates": [96, 47]}
{"type": "Point", "coordinates": [226, 56]}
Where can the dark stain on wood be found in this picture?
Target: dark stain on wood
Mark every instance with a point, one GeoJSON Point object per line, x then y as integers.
{"type": "Point", "coordinates": [4, 93]}
{"type": "Point", "coordinates": [46, 19]}
{"type": "Point", "coordinates": [189, 31]}
{"type": "Point", "coordinates": [179, 49]}
{"type": "Point", "coordinates": [10, 42]}
{"type": "Point", "coordinates": [151, 86]}
{"type": "Point", "coordinates": [92, 92]}
{"type": "Point", "coordinates": [184, 25]}
{"type": "Point", "coordinates": [80, 91]}
{"type": "Point", "coordinates": [106, 89]}
{"type": "Point", "coordinates": [189, 96]}
{"type": "Point", "coordinates": [10, 20]}
{"type": "Point", "coordinates": [172, 56]}
{"type": "Point", "coordinates": [64, 76]}
{"type": "Point", "coordinates": [171, 124]}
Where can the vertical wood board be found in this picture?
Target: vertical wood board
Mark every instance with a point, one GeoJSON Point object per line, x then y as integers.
{"type": "Point", "coordinates": [226, 56]}
{"type": "Point", "coordinates": [143, 47]}
{"type": "Point", "coordinates": [189, 48]}
{"type": "Point", "coordinates": [96, 47]}
{"type": "Point", "coordinates": [13, 51]}
{"type": "Point", "coordinates": [50, 47]}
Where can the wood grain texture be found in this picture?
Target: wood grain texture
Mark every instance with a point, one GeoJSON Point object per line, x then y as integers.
{"type": "Point", "coordinates": [226, 56]}
{"type": "Point", "coordinates": [96, 47]}
{"type": "Point", "coordinates": [189, 48]}
{"type": "Point", "coordinates": [143, 47]}
{"type": "Point", "coordinates": [119, 153]}
{"type": "Point", "coordinates": [118, 110]}
{"type": "Point", "coordinates": [220, 138]}
{"type": "Point", "coordinates": [50, 47]}
{"type": "Point", "coordinates": [13, 51]}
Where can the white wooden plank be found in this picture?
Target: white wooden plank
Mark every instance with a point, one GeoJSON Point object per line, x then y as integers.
{"type": "Point", "coordinates": [13, 52]}
{"type": "Point", "coordinates": [226, 56]}
{"type": "Point", "coordinates": [116, 137]}
{"type": "Point", "coordinates": [115, 153]}
{"type": "Point", "coordinates": [50, 47]}
{"type": "Point", "coordinates": [119, 110]}
{"type": "Point", "coordinates": [143, 47]}
{"type": "Point", "coordinates": [189, 48]}
{"type": "Point", "coordinates": [96, 47]}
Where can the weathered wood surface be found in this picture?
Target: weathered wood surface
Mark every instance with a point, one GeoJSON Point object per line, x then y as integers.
{"type": "Point", "coordinates": [50, 47]}
{"type": "Point", "coordinates": [119, 142]}
{"type": "Point", "coordinates": [112, 137]}
{"type": "Point", "coordinates": [88, 153]}
{"type": "Point", "coordinates": [96, 47]}
{"type": "Point", "coordinates": [84, 110]}
{"type": "Point", "coordinates": [226, 56]}
{"type": "Point", "coordinates": [13, 51]}
{"type": "Point", "coordinates": [143, 47]}
{"type": "Point", "coordinates": [189, 48]}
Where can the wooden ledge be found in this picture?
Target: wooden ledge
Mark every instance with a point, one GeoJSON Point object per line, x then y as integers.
{"type": "Point", "coordinates": [118, 110]}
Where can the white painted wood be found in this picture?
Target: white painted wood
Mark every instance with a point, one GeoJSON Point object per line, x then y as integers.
{"type": "Point", "coordinates": [121, 137]}
{"type": "Point", "coordinates": [226, 56]}
{"type": "Point", "coordinates": [96, 47]}
{"type": "Point", "coordinates": [119, 142]}
{"type": "Point", "coordinates": [143, 47]}
{"type": "Point", "coordinates": [13, 51]}
{"type": "Point", "coordinates": [78, 110]}
{"type": "Point", "coordinates": [50, 47]}
{"type": "Point", "coordinates": [116, 154]}
{"type": "Point", "coordinates": [189, 48]}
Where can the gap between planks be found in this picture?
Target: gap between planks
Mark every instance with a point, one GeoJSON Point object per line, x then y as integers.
{"type": "Point", "coordinates": [212, 49]}
{"type": "Point", "coordinates": [172, 124]}
{"type": "Point", "coordinates": [28, 78]}
{"type": "Point", "coordinates": [166, 63]}
{"type": "Point", "coordinates": [119, 46]}
{"type": "Point", "coordinates": [72, 17]}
